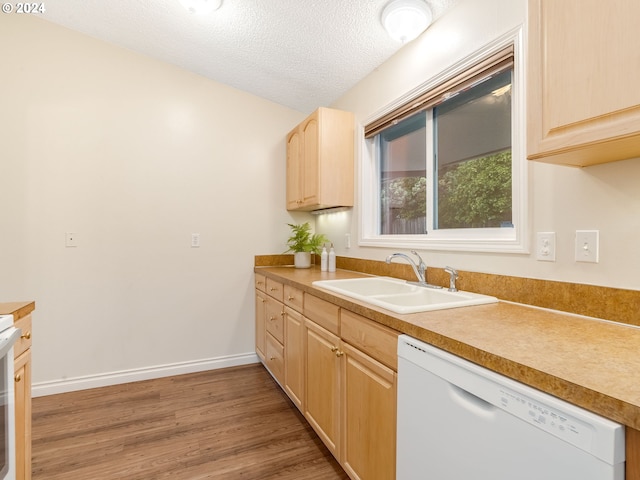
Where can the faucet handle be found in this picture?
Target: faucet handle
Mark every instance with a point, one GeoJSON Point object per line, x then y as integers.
{"type": "Point", "coordinates": [422, 267]}
{"type": "Point", "coordinates": [453, 275]}
{"type": "Point", "coordinates": [421, 262]}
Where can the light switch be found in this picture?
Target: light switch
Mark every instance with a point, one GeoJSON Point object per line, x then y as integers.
{"type": "Point", "coordinates": [546, 246]}
{"type": "Point", "coordinates": [587, 246]}
{"type": "Point", "coordinates": [195, 240]}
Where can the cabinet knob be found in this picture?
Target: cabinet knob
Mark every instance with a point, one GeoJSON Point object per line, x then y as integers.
{"type": "Point", "coordinates": [272, 358]}
{"type": "Point", "coordinates": [339, 353]}
{"type": "Point", "coordinates": [289, 298]}
{"type": "Point", "coordinates": [26, 336]}
{"type": "Point", "coordinates": [334, 349]}
{"type": "Point", "coordinates": [273, 289]}
{"type": "Point", "coordinates": [18, 377]}
{"type": "Point", "coordinates": [272, 318]}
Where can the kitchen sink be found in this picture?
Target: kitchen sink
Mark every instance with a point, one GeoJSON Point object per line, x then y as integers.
{"type": "Point", "coordinates": [400, 296]}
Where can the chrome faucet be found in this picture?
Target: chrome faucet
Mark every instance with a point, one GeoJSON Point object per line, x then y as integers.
{"type": "Point", "coordinates": [420, 268]}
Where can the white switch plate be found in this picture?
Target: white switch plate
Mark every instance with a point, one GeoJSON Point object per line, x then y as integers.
{"type": "Point", "coordinates": [70, 239]}
{"type": "Point", "coordinates": [546, 246]}
{"type": "Point", "coordinates": [587, 246]}
{"type": "Point", "coordinates": [195, 240]}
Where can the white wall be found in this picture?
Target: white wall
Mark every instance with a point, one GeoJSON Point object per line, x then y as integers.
{"type": "Point", "coordinates": [561, 199]}
{"type": "Point", "coordinates": [133, 155]}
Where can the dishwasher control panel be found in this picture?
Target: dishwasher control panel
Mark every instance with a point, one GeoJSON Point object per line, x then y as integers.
{"type": "Point", "coordinates": [548, 419]}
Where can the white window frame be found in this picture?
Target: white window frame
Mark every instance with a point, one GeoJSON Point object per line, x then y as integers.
{"type": "Point", "coordinates": [507, 240]}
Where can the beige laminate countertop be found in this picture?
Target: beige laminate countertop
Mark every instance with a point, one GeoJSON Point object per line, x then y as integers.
{"type": "Point", "coordinates": [17, 309]}
{"type": "Point", "coordinates": [591, 363]}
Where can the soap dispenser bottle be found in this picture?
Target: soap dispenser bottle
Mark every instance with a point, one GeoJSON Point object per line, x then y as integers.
{"type": "Point", "coordinates": [324, 259]}
{"type": "Point", "coordinates": [332, 259]}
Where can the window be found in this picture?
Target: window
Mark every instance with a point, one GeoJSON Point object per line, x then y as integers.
{"type": "Point", "coordinates": [445, 169]}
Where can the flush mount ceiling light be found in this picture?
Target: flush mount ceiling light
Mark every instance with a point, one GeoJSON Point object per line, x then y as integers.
{"type": "Point", "coordinates": [404, 20]}
{"type": "Point", "coordinates": [201, 7]}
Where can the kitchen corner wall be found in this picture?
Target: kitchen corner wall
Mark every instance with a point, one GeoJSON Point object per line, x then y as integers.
{"type": "Point", "coordinates": [133, 156]}
{"type": "Point", "coordinates": [561, 199]}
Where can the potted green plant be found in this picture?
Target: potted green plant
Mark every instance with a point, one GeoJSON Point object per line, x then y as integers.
{"type": "Point", "coordinates": [303, 243]}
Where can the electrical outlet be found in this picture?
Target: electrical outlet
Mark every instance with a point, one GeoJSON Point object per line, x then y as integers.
{"type": "Point", "coordinates": [71, 239]}
{"type": "Point", "coordinates": [546, 246]}
{"type": "Point", "coordinates": [587, 246]}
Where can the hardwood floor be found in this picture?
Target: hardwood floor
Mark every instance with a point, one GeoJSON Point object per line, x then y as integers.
{"type": "Point", "coordinates": [233, 423]}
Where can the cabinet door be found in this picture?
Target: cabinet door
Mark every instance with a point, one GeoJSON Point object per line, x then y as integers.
{"type": "Point", "coordinates": [310, 173]}
{"type": "Point", "coordinates": [583, 77]}
{"type": "Point", "coordinates": [294, 356]}
{"type": "Point", "coordinates": [368, 417]}
{"type": "Point", "coordinates": [322, 400]}
{"type": "Point", "coordinates": [260, 324]}
{"type": "Point", "coordinates": [294, 170]}
{"type": "Point", "coordinates": [22, 384]}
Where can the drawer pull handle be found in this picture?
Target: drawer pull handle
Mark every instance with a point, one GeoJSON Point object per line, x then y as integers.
{"type": "Point", "coordinates": [339, 353]}
{"type": "Point", "coordinates": [273, 289]}
{"type": "Point", "coordinates": [272, 358]}
{"type": "Point", "coordinates": [18, 377]}
{"type": "Point", "coordinates": [290, 298]}
{"type": "Point", "coordinates": [26, 336]}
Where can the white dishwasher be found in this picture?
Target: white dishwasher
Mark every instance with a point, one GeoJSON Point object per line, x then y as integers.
{"type": "Point", "coordinates": [460, 421]}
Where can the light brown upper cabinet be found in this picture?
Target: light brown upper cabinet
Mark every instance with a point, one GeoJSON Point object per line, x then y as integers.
{"type": "Point", "coordinates": [320, 157]}
{"type": "Point", "coordinates": [583, 76]}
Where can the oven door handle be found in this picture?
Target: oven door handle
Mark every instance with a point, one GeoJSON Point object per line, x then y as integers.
{"type": "Point", "coordinates": [7, 338]}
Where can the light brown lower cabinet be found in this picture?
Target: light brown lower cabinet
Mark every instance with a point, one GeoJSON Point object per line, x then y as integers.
{"type": "Point", "coordinates": [633, 454]}
{"type": "Point", "coordinates": [22, 385]}
{"type": "Point", "coordinates": [261, 331]}
{"type": "Point", "coordinates": [351, 404]}
{"type": "Point", "coordinates": [294, 356]}
{"type": "Point", "coordinates": [368, 416]}
{"type": "Point", "coordinates": [322, 399]}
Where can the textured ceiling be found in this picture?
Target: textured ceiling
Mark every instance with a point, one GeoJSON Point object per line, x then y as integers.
{"type": "Point", "coordinates": [298, 53]}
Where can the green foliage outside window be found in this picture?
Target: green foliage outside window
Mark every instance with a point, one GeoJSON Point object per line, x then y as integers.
{"type": "Point", "coordinates": [476, 193]}
{"type": "Point", "coordinates": [472, 194]}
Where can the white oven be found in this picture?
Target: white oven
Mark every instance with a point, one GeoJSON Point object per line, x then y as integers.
{"type": "Point", "coordinates": [8, 336]}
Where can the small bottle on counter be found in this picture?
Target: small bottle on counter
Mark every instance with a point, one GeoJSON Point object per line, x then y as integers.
{"type": "Point", "coordinates": [332, 259]}
{"type": "Point", "coordinates": [324, 259]}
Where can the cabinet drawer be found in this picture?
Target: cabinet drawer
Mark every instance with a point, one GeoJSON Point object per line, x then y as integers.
{"type": "Point", "coordinates": [24, 342]}
{"type": "Point", "coordinates": [260, 282]}
{"type": "Point", "coordinates": [275, 319]}
{"type": "Point", "coordinates": [275, 358]}
{"type": "Point", "coordinates": [275, 289]}
{"type": "Point", "coordinates": [293, 297]}
{"type": "Point", "coordinates": [372, 338]}
{"type": "Point", "coordinates": [322, 312]}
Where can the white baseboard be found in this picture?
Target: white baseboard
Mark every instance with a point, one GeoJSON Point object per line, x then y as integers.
{"type": "Point", "coordinates": [135, 375]}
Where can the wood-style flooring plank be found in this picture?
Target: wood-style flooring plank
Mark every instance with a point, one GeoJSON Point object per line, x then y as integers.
{"type": "Point", "coordinates": [233, 423]}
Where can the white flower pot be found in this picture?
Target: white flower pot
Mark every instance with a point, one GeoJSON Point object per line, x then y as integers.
{"type": "Point", "coordinates": [302, 259]}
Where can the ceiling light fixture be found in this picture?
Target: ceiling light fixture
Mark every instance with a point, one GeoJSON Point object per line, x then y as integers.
{"type": "Point", "coordinates": [201, 7]}
{"type": "Point", "coordinates": [404, 20]}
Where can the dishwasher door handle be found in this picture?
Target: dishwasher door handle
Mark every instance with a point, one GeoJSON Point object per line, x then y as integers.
{"type": "Point", "coordinates": [471, 402]}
